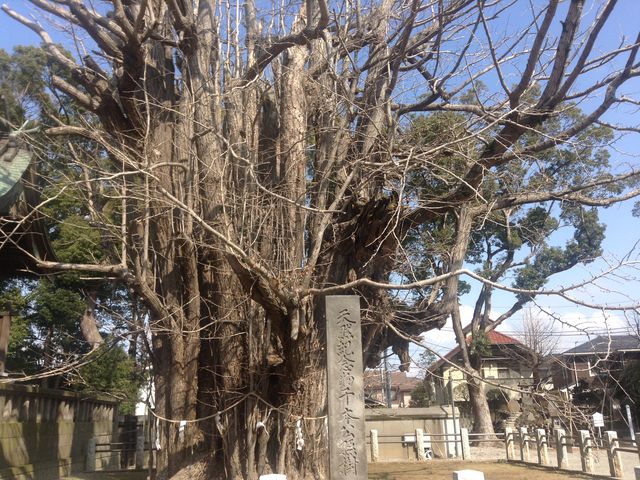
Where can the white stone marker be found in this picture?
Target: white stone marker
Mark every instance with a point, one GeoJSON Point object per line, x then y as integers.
{"type": "Point", "coordinates": [375, 449]}
{"type": "Point", "coordinates": [468, 475]}
{"type": "Point", "coordinates": [466, 448]}
{"type": "Point", "coordinates": [420, 445]}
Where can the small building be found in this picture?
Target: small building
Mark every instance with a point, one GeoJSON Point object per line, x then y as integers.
{"type": "Point", "coordinates": [595, 360]}
{"type": "Point", "coordinates": [588, 375]}
{"type": "Point", "coordinates": [505, 363]}
{"type": "Point", "coordinates": [400, 386]}
{"type": "Point", "coordinates": [23, 233]}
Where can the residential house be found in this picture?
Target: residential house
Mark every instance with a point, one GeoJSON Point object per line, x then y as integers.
{"type": "Point", "coordinates": [588, 374]}
{"type": "Point", "coordinates": [505, 363]}
{"type": "Point", "coordinates": [595, 360]}
{"type": "Point", "coordinates": [400, 386]}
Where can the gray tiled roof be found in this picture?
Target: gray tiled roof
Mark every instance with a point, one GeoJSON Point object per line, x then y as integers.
{"type": "Point", "coordinates": [606, 344]}
{"type": "Point", "coordinates": [14, 161]}
{"type": "Point", "coordinates": [19, 217]}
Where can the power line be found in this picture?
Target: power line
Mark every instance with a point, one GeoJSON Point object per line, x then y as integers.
{"type": "Point", "coordinates": [577, 331]}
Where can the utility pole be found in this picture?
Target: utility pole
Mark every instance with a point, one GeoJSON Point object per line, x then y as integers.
{"type": "Point", "coordinates": [453, 413]}
{"type": "Point", "coordinates": [387, 380]}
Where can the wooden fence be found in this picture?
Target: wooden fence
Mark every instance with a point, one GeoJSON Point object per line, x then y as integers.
{"type": "Point", "coordinates": [44, 433]}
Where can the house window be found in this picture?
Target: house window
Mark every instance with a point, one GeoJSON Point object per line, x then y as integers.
{"type": "Point", "coordinates": [504, 373]}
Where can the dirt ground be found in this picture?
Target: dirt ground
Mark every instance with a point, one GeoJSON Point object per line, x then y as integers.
{"type": "Point", "coordinates": [443, 469]}
{"type": "Point", "coordinates": [486, 460]}
{"type": "Point", "coordinates": [434, 470]}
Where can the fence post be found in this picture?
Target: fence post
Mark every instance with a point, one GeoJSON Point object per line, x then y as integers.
{"type": "Point", "coordinates": [586, 453]}
{"type": "Point", "coordinates": [542, 446]}
{"type": "Point", "coordinates": [524, 444]}
{"type": "Point", "coordinates": [375, 451]}
{"type": "Point", "coordinates": [140, 450]}
{"type": "Point", "coordinates": [420, 445]}
{"type": "Point", "coordinates": [508, 442]}
{"type": "Point", "coordinates": [466, 449]}
{"type": "Point", "coordinates": [428, 451]}
{"type": "Point", "coordinates": [561, 448]}
{"type": "Point", "coordinates": [615, 461]}
{"type": "Point", "coordinates": [90, 458]}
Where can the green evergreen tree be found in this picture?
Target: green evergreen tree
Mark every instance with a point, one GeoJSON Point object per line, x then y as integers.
{"type": "Point", "coordinates": [47, 311]}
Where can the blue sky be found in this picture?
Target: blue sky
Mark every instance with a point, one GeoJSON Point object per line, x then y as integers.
{"type": "Point", "coordinates": [623, 230]}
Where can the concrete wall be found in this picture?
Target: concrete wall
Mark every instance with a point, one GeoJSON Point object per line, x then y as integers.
{"type": "Point", "coordinates": [397, 424]}
{"type": "Point", "coordinates": [44, 433]}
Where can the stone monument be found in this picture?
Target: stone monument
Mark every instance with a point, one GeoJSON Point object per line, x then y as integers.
{"type": "Point", "coordinates": [347, 454]}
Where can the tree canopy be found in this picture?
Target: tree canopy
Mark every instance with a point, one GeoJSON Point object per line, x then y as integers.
{"type": "Point", "coordinates": [54, 322]}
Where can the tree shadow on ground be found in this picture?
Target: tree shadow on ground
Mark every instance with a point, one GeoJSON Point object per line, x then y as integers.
{"type": "Point", "coordinates": [129, 475]}
{"type": "Point", "coordinates": [443, 469]}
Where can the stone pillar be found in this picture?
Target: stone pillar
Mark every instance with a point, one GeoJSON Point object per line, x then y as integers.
{"type": "Point", "coordinates": [541, 446]}
{"type": "Point", "coordinates": [375, 451]}
{"type": "Point", "coordinates": [586, 453]}
{"type": "Point", "coordinates": [524, 444]}
{"type": "Point", "coordinates": [466, 448]}
{"type": "Point", "coordinates": [347, 454]}
{"type": "Point", "coordinates": [561, 448]}
{"type": "Point", "coordinates": [615, 462]}
{"type": "Point", "coordinates": [90, 459]}
{"type": "Point", "coordinates": [140, 450]}
{"type": "Point", "coordinates": [420, 445]}
{"type": "Point", "coordinates": [508, 443]}
{"type": "Point", "coordinates": [637, 472]}
{"type": "Point", "coordinates": [428, 452]}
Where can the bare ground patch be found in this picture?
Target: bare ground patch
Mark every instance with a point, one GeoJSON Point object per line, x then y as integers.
{"type": "Point", "coordinates": [443, 469]}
